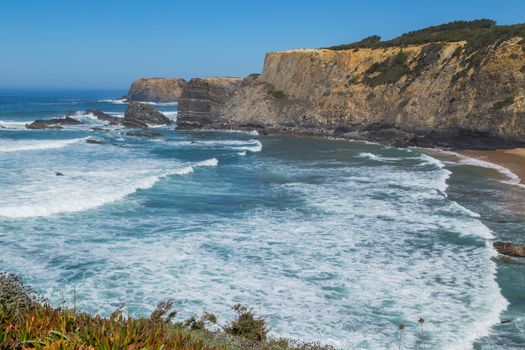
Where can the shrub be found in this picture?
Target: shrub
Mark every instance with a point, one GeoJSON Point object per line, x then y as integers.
{"type": "Point", "coordinates": [278, 94]}
{"type": "Point", "coordinates": [504, 103]}
{"type": "Point", "coordinates": [387, 72]}
{"type": "Point", "coordinates": [247, 325]}
{"type": "Point", "coordinates": [478, 34]}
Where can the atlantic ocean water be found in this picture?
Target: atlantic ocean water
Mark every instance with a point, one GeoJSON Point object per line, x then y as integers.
{"type": "Point", "coordinates": [330, 240]}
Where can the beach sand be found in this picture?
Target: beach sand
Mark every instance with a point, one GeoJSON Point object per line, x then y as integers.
{"type": "Point", "coordinates": [512, 159]}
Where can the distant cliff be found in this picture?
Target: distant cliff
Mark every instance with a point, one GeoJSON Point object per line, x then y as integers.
{"type": "Point", "coordinates": [156, 90]}
{"type": "Point", "coordinates": [460, 85]}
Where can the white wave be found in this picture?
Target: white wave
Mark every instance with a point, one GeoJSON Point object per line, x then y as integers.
{"type": "Point", "coordinates": [208, 162]}
{"type": "Point", "coordinates": [13, 125]}
{"type": "Point", "coordinates": [251, 145]}
{"type": "Point", "coordinates": [87, 118]}
{"type": "Point", "coordinates": [34, 145]}
{"type": "Point", "coordinates": [378, 158]}
{"type": "Point", "coordinates": [512, 179]}
{"type": "Point", "coordinates": [83, 190]}
{"type": "Point", "coordinates": [249, 132]}
{"type": "Point", "coordinates": [115, 101]}
{"type": "Point", "coordinates": [243, 153]}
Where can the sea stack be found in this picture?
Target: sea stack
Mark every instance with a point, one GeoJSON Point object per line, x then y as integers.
{"type": "Point", "coordinates": [140, 115]}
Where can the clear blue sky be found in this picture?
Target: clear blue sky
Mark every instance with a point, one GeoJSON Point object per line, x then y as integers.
{"type": "Point", "coordinates": [107, 44]}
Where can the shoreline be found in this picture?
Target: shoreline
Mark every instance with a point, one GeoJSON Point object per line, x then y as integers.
{"type": "Point", "coordinates": [510, 159]}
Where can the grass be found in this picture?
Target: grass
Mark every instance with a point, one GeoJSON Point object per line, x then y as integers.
{"type": "Point", "coordinates": [28, 322]}
{"type": "Point", "coordinates": [504, 103]}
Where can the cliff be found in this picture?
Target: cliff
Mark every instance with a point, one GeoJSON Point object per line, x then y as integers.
{"type": "Point", "coordinates": [203, 99]}
{"type": "Point", "coordinates": [156, 90]}
{"type": "Point", "coordinates": [457, 85]}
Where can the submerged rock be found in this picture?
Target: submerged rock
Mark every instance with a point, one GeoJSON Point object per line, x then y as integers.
{"type": "Point", "coordinates": [140, 115]}
{"type": "Point", "coordinates": [55, 123]}
{"type": "Point", "coordinates": [145, 134]}
{"type": "Point", "coordinates": [94, 141]}
{"type": "Point", "coordinates": [511, 249]}
{"type": "Point", "coordinates": [57, 173]}
{"type": "Point", "coordinates": [105, 117]}
{"type": "Point", "coordinates": [96, 128]}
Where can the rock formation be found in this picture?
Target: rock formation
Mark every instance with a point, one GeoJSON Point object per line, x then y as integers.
{"type": "Point", "coordinates": [510, 249]}
{"type": "Point", "coordinates": [55, 123]}
{"type": "Point", "coordinates": [203, 99]}
{"type": "Point", "coordinates": [140, 115]}
{"type": "Point", "coordinates": [105, 117]}
{"type": "Point", "coordinates": [422, 88]}
{"type": "Point", "coordinates": [156, 90]}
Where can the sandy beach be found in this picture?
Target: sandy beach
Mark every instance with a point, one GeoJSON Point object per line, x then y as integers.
{"type": "Point", "coordinates": [512, 159]}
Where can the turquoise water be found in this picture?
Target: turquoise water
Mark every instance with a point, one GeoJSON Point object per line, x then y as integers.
{"type": "Point", "coordinates": [330, 240]}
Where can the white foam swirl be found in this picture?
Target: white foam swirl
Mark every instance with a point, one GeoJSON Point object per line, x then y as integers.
{"type": "Point", "coordinates": [7, 146]}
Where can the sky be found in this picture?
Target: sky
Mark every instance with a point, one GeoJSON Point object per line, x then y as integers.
{"type": "Point", "coordinates": [95, 44]}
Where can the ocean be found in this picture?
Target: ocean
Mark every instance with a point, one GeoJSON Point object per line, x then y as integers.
{"type": "Point", "coordinates": [334, 241]}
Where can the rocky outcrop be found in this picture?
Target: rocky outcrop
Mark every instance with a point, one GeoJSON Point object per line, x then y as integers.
{"type": "Point", "coordinates": [156, 90]}
{"type": "Point", "coordinates": [140, 115]}
{"type": "Point", "coordinates": [55, 123]}
{"type": "Point", "coordinates": [145, 134]}
{"type": "Point", "coordinates": [447, 94]}
{"type": "Point", "coordinates": [105, 117]}
{"type": "Point", "coordinates": [202, 100]}
{"type": "Point", "coordinates": [510, 249]}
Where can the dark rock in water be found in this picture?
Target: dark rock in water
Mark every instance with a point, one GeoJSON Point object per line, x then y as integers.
{"type": "Point", "coordinates": [105, 117]}
{"type": "Point", "coordinates": [96, 128]}
{"type": "Point", "coordinates": [55, 123]}
{"type": "Point", "coordinates": [503, 259]}
{"type": "Point", "coordinates": [94, 141]}
{"type": "Point", "coordinates": [145, 134]}
{"type": "Point", "coordinates": [57, 173]}
{"type": "Point", "coordinates": [511, 249]}
{"type": "Point", "coordinates": [139, 115]}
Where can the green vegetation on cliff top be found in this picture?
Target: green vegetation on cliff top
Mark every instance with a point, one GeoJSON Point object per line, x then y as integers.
{"type": "Point", "coordinates": [478, 33]}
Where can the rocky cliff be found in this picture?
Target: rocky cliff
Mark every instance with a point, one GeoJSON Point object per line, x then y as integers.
{"type": "Point", "coordinates": [156, 90]}
{"type": "Point", "coordinates": [202, 100]}
{"type": "Point", "coordinates": [424, 88]}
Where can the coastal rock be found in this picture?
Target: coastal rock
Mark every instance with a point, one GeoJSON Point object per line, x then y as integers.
{"type": "Point", "coordinates": [156, 90]}
{"type": "Point", "coordinates": [145, 134]}
{"type": "Point", "coordinates": [94, 141]}
{"type": "Point", "coordinates": [98, 129]}
{"type": "Point", "coordinates": [105, 117]}
{"type": "Point", "coordinates": [202, 100]}
{"type": "Point", "coordinates": [55, 123]}
{"type": "Point", "coordinates": [140, 115]}
{"type": "Point", "coordinates": [445, 94]}
{"type": "Point", "coordinates": [510, 249]}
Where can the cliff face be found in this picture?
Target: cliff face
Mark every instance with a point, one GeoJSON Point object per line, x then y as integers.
{"type": "Point", "coordinates": [420, 94]}
{"type": "Point", "coordinates": [156, 90]}
{"type": "Point", "coordinates": [202, 100]}
{"type": "Point", "coordinates": [423, 88]}
{"type": "Point", "coordinates": [428, 87]}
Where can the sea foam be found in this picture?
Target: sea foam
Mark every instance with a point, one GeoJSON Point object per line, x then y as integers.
{"type": "Point", "coordinates": [35, 145]}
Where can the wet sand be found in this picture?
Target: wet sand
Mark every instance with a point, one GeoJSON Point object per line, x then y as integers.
{"type": "Point", "coordinates": [512, 159]}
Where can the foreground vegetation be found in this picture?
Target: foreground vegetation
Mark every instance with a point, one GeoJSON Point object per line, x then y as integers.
{"type": "Point", "coordinates": [28, 322]}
